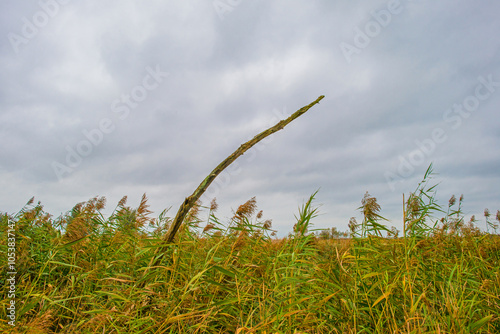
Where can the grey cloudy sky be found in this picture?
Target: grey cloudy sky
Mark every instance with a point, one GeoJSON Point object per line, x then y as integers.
{"type": "Point", "coordinates": [115, 98]}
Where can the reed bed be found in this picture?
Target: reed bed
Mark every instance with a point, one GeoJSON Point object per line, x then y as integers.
{"type": "Point", "coordinates": [84, 273]}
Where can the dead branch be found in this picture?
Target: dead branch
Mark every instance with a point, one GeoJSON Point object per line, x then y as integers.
{"type": "Point", "coordinates": [191, 200]}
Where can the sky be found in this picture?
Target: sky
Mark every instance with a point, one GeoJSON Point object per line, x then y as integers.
{"type": "Point", "coordinates": [115, 98]}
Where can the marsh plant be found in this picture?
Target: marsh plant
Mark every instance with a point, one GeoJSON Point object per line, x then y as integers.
{"type": "Point", "coordinates": [86, 273]}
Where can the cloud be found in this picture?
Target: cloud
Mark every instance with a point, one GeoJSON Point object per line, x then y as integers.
{"type": "Point", "coordinates": [79, 84]}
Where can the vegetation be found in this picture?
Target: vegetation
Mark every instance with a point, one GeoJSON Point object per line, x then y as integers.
{"type": "Point", "coordinates": [84, 273]}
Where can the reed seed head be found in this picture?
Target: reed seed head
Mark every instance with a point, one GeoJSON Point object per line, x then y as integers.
{"type": "Point", "coordinates": [194, 211]}
{"type": "Point", "coordinates": [452, 201]}
{"type": "Point", "coordinates": [370, 206]}
{"type": "Point", "coordinates": [214, 205]}
{"type": "Point", "coordinates": [486, 213]}
{"type": "Point", "coordinates": [143, 206]}
{"type": "Point", "coordinates": [247, 209]}
{"type": "Point", "coordinates": [267, 224]}
{"type": "Point", "coordinates": [208, 227]}
{"type": "Point", "coordinates": [122, 202]}
{"type": "Point", "coordinates": [353, 224]}
{"type": "Point", "coordinates": [413, 204]}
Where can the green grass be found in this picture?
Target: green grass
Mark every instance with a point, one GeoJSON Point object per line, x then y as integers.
{"type": "Point", "coordinates": [84, 273]}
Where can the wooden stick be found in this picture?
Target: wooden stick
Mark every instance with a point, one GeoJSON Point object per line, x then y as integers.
{"type": "Point", "coordinates": [191, 200]}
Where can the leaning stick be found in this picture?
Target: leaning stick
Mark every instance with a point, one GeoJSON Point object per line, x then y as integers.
{"type": "Point", "coordinates": [191, 200]}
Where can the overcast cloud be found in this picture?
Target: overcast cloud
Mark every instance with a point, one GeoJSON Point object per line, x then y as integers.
{"type": "Point", "coordinates": [115, 98]}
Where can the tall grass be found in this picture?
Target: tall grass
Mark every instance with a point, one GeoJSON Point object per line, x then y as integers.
{"type": "Point", "coordinates": [84, 273]}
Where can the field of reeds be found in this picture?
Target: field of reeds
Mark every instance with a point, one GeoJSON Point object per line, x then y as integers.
{"type": "Point", "coordinates": [86, 273]}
